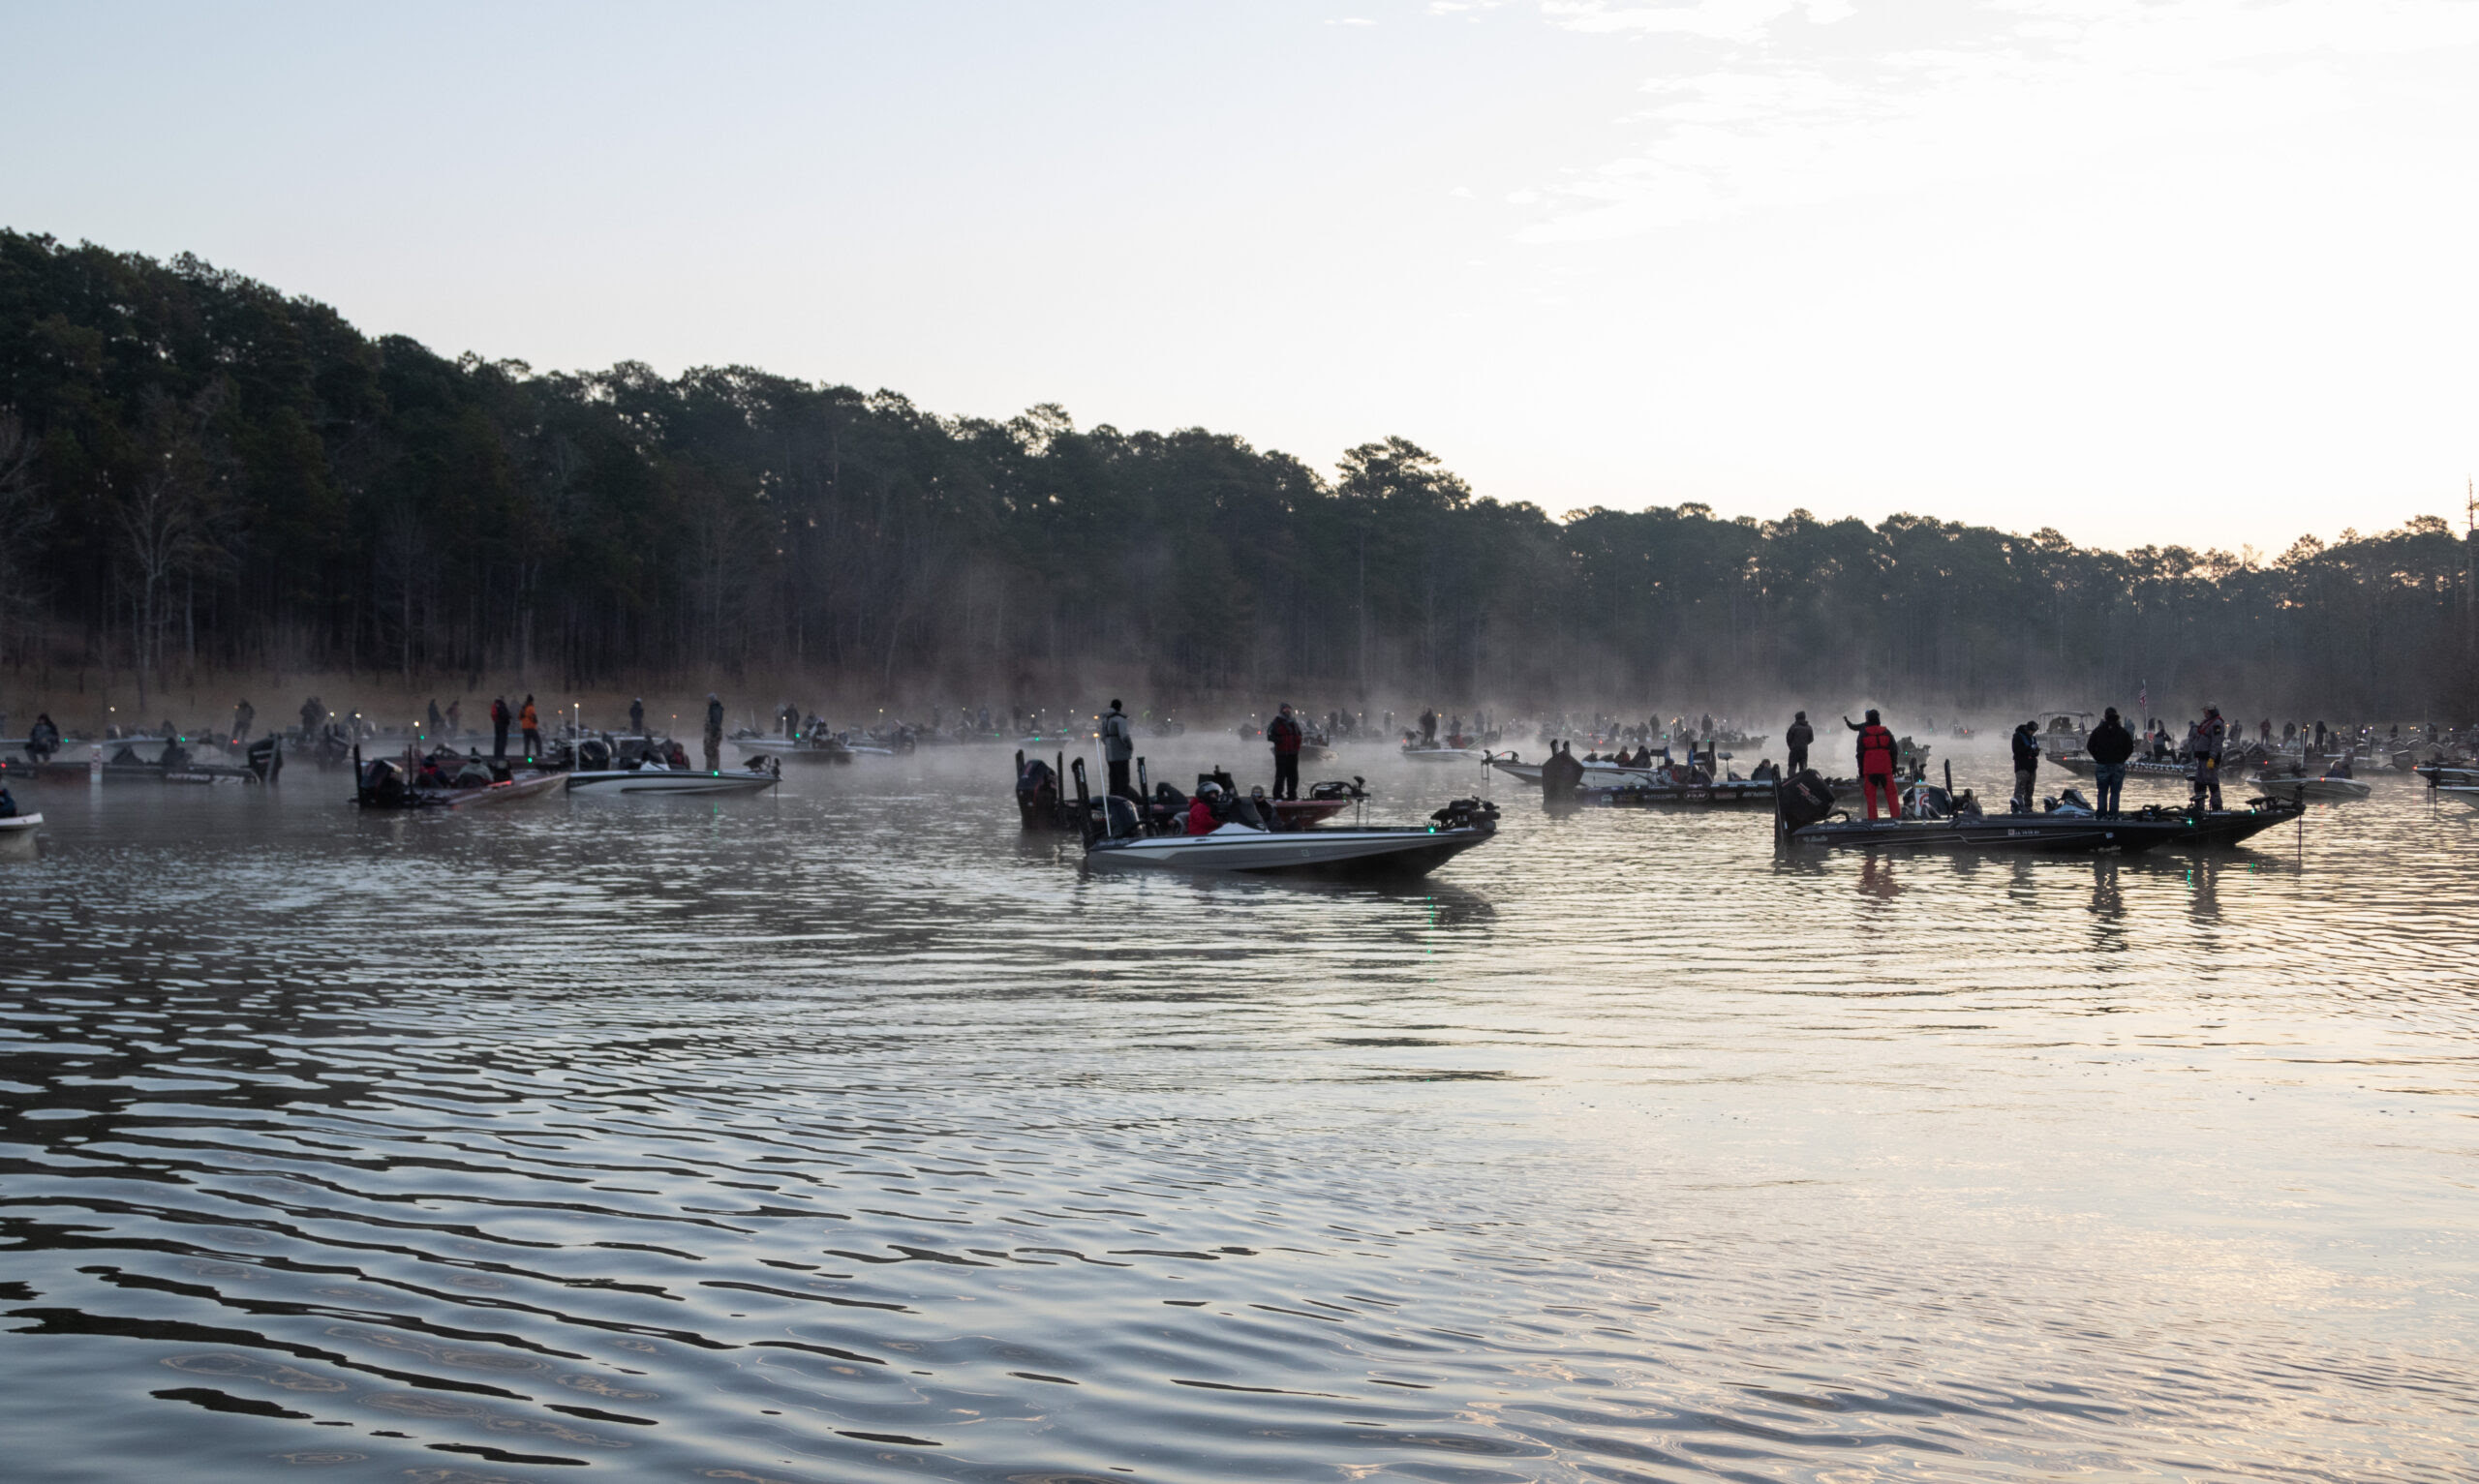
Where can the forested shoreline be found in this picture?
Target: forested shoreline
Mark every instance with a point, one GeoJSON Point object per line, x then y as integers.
{"type": "Point", "coordinates": [200, 474]}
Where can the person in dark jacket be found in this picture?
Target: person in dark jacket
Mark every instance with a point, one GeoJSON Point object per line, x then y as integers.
{"type": "Point", "coordinates": [1875, 763]}
{"type": "Point", "coordinates": [713, 732]}
{"type": "Point", "coordinates": [2027, 763]}
{"type": "Point", "coordinates": [244, 716]}
{"type": "Point", "coordinates": [638, 717]}
{"type": "Point", "coordinates": [1561, 775]}
{"type": "Point", "coordinates": [1118, 749]}
{"type": "Point", "coordinates": [2110, 744]}
{"type": "Point", "coordinates": [45, 739]}
{"type": "Point", "coordinates": [2212, 734]}
{"type": "Point", "coordinates": [1797, 740]}
{"type": "Point", "coordinates": [1284, 733]}
{"type": "Point", "coordinates": [501, 717]}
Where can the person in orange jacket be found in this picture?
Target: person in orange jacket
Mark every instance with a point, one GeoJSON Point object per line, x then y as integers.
{"type": "Point", "coordinates": [531, 726]}
{"type": "Point", "coordinates": [1876, 762]}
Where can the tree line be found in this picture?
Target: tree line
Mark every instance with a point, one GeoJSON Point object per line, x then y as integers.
{"type": "Point", "coordinates": [200, 474]}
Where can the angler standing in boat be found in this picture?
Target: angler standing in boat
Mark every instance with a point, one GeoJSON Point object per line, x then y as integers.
{"type": "Point", "coordinates": [2027, 763]}
{"type": "Point", "coordinates": [456, 719]}
{"type": "Point", "coordinates": [2110, 744]}
{"type": "Point", "coordinates": [638, 717]}
{"type": "Point", "coordinates": [1284, 733]}
{"type": "Point", "coordinates": [437, 722]}
{"type": "Point", "coordinates": [499, 718]}
{"type": "Point", "coordinates": [1428, 727]}
{"type": "Point", "coordinates": [713, 732]}
{"type": "Point", "coordinates": [1797, 740]}
{"type": "Point", "coordinates": [2209, 735]}
{"type": "Point", "coordinates": [242, 716]}
{"type": "Point", "coordinates": [1561, 776]}
{"type": "Point", "coordinates": [45, 739]}
{"type": "Point", "coordinates": [1118, 749]}
{"type": "Point", "coordinates": [1875, 763]}
{"type": "Point", "coordinates": [531, 724]}
{"type": "Point", "coordinates": [312, 713]}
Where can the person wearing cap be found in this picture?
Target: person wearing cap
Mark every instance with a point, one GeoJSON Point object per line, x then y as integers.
{"type": "Point", "coordinates": [1797, 740]}
{"type": "Point", "coordinates": [2210, 736]}
{"type": "Point", "coordinates": [713, 733]}
{"type": "Point", "coordinates": [1284, 733]}
{"type": "Point", "coordinates": [1119, 748]}
{"type": "Point", "coordinates": [2109, 745]}
{"type": "Point", "coordinates": [2027, 763]}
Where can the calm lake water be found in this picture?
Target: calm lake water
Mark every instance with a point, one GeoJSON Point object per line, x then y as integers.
{"type": "Point", "coordinates": [849, 1135]}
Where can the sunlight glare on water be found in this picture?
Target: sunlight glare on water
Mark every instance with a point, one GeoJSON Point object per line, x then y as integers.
{"type": "Point", "coordinates": [852, 1134]}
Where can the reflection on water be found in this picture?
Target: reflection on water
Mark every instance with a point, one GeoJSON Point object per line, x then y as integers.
{"type": "Point", "coordinates": [852, 1134]}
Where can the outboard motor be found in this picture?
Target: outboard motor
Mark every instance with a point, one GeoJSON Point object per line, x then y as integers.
{"type": "Point", "coordinates": [265, 759]}
{"type": "Point", "coordinates": [593, 755]}
{"type": "Point", "coordinates": [1467, 814]}
{"type": "Point", "coordinates": [1804, 799]}
{"type": "Point", "coordinates": [1119, 817]}
{"type": "Point", "coordinates": [1036, 793]}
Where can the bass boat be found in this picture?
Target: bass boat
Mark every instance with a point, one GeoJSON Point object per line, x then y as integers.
{"type": "Point", "coordinates": [18, 824]}
{"type": "Point", "coordinates": [760, 775]}
{"type": "Point", "coordinates": [392, 783]}
{"type": "Point", "coordinates": [1354, 853]}
{"type": "Point", "coordinates": [1935, 819]}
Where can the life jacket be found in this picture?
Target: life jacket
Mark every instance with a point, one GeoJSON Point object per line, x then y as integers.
{"type": "Point", "coordinates": [1875, 749]}
{"type": "Point", "coordinates": [1201, 819]}
{"type": "Point", "coordinates": [527, 721]}
{"type": "Point", "coordinates": [1284, 733]}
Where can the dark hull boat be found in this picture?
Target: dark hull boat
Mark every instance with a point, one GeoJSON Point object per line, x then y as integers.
{"type": "Point", "coordinates": [1931, 821]}
{"type": "Point", "coordinates": [392, 783]}
{"type": "Point", "coordinates": [1042, 805]}
{"type": "Point", "coordinates": [2082, 767]}
{"type": "Point", "coordinates": [1733, 793]}
{"type": "Point", "coordinates": [149, 760]}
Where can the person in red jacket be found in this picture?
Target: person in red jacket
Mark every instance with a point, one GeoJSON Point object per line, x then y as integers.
{"type": "Point", "coordinates": [1284, 733]}
{"type": "Point", "coordinates": [1876, 762]}
{"type": "Point", "coordinates": [1200, 820]}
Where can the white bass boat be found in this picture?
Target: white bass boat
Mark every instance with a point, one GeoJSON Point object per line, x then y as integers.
{"type": "Point", "coordinates": [1378, 851]}
{"type": "Point", "coordinates": [651, 780]}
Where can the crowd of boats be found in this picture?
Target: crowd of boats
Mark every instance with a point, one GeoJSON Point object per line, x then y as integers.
{"type": "Point", "coordinates": [1133, 819]}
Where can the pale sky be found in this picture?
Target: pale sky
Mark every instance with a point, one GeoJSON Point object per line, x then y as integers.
{"type": "Point", "coordinates": [2144, 270]}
